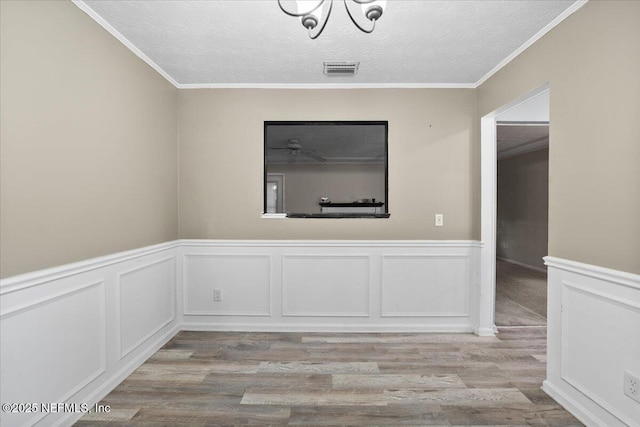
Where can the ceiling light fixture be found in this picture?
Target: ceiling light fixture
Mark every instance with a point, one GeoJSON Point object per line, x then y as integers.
{"type": "Point", "coordinates": [314, 14]}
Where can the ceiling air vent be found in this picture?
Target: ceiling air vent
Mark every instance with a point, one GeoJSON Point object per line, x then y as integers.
{"type": "Point", "coordinates": [341, 68]}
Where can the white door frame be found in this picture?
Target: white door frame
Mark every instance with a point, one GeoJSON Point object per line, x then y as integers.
{"type": "Point", "coordinates": [488, 212]}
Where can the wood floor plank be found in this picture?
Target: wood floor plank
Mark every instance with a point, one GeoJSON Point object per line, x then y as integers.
{"type": "Point", "coordinates": [167, 398]}
{"type": "Point", "coordinates": [229, 416]}
{"type": "Point", "coordinates": [428, 367]}
{"type": "Point", "coordinates": [286, 381]}
{"type": "Point", "coordinates": [536, 415]}
{"type": "Point", "coordinates": [116, 414]}
{"type": "Point", "coordinates": [463, 397]}
{"type": "Point", "coordinates": [392, 415]}
{"type": "Point", "coordinates": [396, 381]}
{"type": "Point", "coordinates": [231, 367]}
{"type": "Point", "coordinates": [171, 355]}
{"type": "Point", "coordinates": [327, 368]}
{"type": "Point", "coordinates": [357, 357]}
{"type": "Point", "coordinates": [317, 397]}
{"type": "Point", "coordinates": [169, 373]}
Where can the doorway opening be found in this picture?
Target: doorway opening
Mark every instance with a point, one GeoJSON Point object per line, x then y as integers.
{"type": "Point", "coordinates": [522, 216]}
{"type": "Point", "coordinates": [528, 110]}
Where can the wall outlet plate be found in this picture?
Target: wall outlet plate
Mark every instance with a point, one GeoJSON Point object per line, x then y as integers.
{"type": "Point", "coordinates": [217, 294]}
{"type": "Point", "coordinates": [632, 386]}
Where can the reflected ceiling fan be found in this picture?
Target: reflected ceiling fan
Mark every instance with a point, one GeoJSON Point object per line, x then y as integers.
{"type": "Point", "coordinates": [294, 148]}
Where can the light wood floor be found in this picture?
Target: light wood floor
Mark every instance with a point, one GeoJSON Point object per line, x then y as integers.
{"type": "Point", "coordinates": [214, 378]}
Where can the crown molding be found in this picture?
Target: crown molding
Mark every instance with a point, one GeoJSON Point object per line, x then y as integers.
{"type": "Point", "coordinates": [328, 86]}
{"type": "Point", "coordinates": [551, 25]}
{"type": "Point", "coordinates": [115, 33]}
{"type": "Point", "coordinates": [104, 24]}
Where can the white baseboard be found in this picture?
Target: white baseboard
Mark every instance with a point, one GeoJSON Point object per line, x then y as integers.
{"type": "Point", "coordinates": [577, 410]}
{"type": "Point", "coordinates": [485, 332]}
{"type": "Point", "coordinates": [522, 264]}
{"type": "Point", "coordinates": [111, 383]}
{"type": "Point", "coordinates": [329, 328]}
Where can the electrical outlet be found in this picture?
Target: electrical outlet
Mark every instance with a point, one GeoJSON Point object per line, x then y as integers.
{"type": "Point", "coordinates": [632, 386]}
{"type": "Point", "coordinates": [439, 220]}
{"type": "Point", "coordinates": [217, 295]}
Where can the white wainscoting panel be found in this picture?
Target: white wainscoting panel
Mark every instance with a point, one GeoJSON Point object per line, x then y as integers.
{"type": "Point", "coordinates": [63, 329]}
{"type": "Point", "coordinates": [70, 334]}
{"type": "Point", "coordinates": [425, 285]}
{"type": "Point", "coordinates": [594, 337]}
{"type": "Point", "coordinates": [357, 286]}
{"type": "Point", "coordinates": [62, 345]}
{"type": "Point", "coordinates": [604, 337]}
{"type": "Point", "coordinates": [243, 279]}
{"type": "Point", "coordinates": [325, 285]}
{"type": "Point", "coordinates": [147, 302]}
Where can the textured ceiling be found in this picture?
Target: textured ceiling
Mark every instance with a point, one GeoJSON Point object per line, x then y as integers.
{"type": "Point", "coordinates": [252, 42]}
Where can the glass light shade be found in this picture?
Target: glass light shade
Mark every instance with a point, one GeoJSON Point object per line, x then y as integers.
{"type": "Point", "coordinates": [311, 20]}
{"type": "Point", "coordinates": [366, 6]}
{"type": "Point", "coordinates": [316, 19]}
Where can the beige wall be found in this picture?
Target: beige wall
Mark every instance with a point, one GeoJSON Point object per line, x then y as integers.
{"type": "Point", "coordinates": [592, 63]}
{"type": "Point", "coordinates": [523, 183]}
{"type": "Point", "coordinates": [304, 184]}
{"type": "Point", "coordinates": [88, 134]}
{"type": "Point", "coordinates": [431, 155]}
